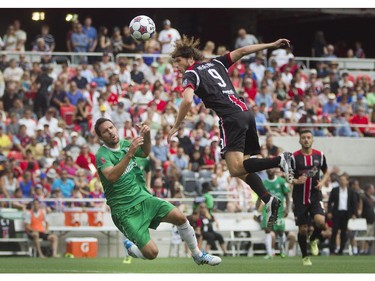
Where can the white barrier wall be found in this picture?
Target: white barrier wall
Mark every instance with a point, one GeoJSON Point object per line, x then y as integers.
{"type": "Point", "coordinates": [356, 156]}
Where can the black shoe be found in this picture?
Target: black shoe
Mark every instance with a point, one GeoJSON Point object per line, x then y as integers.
{"type": "Point", "coordinates": [272, 208]}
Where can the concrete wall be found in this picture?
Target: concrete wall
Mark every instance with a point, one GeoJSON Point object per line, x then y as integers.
{"type": "Point", "coordinates": [355, 156]}
{"type": "Point", "coordinates": [109, 244]}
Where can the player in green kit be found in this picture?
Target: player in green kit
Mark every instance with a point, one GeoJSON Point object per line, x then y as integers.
{"type": "Point", "coordinates": [133, 208]}
{"type": "Point", "coordinates": [144, 165]}
{"type": "Point", "coordinates": [277, 187]}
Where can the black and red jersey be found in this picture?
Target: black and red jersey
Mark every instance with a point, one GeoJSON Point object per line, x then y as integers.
{"type": "Point", "coordinates": [311, 166]}
{"type": "Point", "coordinates": [211, 83]}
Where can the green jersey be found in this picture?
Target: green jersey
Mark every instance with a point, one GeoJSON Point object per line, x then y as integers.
{"type": "Point", "coordinates": [278, 188]}
{"type": "Point", "coordinates": [144, 164]}
{"type": "Point", "coordinates": [130, 189]}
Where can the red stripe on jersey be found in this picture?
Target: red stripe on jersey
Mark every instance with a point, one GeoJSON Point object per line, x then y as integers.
{"type": "Point", "coordinates": [307, 185]}
{"type": "Point", "coordinates": [238, 102]}
{"type": "Point", "coordinates": [230, 59]}
{"type": "Point", "coordinates": [189, 86]}
{"type": "Point", "coordinates": [192, 66]}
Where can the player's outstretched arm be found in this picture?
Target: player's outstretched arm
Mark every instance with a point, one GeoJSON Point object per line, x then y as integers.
{"type": "Point", "coordinates": [184, 109]}
{"type": "Point", "coordinates": [144, 131]}
{"type": "Point", "coordinates": [240, 52]}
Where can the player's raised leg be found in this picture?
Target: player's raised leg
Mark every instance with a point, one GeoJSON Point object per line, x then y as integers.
{"type": "Point", "coordinates": [187, 234]}
{"type": "Point", "coordinates": [235, 166]}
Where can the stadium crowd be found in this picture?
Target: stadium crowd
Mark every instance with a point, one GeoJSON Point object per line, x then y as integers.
{"type": "Point", "coordinates": [48, 108]}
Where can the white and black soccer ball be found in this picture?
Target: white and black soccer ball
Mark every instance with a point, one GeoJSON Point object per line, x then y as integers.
{"type": "Point", "coordinates": [142, 28]}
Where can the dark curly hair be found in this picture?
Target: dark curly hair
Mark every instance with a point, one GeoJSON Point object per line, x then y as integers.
{"type": "Point", "coordinates": [98, 123]}
{"type": "Point", "coordinates": [187, 48]}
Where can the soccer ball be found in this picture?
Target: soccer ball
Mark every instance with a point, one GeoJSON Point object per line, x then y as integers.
{"type": "Point", "coordinates": [142, 28]}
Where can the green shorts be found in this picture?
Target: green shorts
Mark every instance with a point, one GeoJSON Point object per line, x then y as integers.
{"type": "Point", "coordinates": [135, 222]}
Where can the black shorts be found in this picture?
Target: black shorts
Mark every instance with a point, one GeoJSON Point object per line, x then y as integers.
{"type": "Point", "coordinates": [238, 133]}
{"type": "Point", "coordinates": [42, 235]}
{"type": "Point", "coordinates": [303, 213]}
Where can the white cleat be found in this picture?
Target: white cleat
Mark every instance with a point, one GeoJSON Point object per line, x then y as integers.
{"type": "Point", "coordinates": [207, 259]}
{"type": "Point", "coordinates": [128, 244]}
{"type": "Point", "coordinates": [286, 165]}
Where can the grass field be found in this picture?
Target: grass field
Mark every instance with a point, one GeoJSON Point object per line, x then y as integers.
{"type": "Point", "coordinates": [231, 265]}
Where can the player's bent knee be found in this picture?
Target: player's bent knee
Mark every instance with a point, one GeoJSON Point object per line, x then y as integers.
{"type": "Point", "coordinates": [236, 172]}
{"type": "Point", "coordinates": [179, 217]}
{"type": "Point", "coordinates": [151, 254]}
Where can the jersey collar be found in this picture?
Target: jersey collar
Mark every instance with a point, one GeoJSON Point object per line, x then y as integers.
{"type": "Point", "coordinates": [192, 66]}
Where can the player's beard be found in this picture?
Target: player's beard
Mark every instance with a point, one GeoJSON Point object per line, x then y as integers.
{"type": "Point", "coordinates": [307, 146]}
{"type": "Point", "coordinates": [113, 141]}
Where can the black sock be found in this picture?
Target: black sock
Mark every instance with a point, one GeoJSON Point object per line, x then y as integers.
{"type": "Point", "coordinates": [316, 233]}
{"type": "Point", "coordinates": [257, 185]}
{"type": "Point", "coordinates": [253, 165]}
{"type": "Point", "coordinates": [302, 244]}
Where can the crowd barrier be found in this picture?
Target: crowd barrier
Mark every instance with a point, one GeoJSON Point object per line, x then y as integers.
{"type": "Point", "coordinates": [354, 64]}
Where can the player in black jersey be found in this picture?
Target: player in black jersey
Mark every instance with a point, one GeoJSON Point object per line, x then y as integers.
{"type": "Point", "coordinates": [308, 163]}
{"type": "Point", "coordinates": [210, 81]}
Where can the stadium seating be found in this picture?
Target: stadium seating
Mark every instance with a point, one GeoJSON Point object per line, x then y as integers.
{"type": "Point", "coordinates": [359, 226]}
{"type": "Point", "coordinates": [18, 244]}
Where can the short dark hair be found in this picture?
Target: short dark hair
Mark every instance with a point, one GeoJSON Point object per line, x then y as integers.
{"type": "Point", "coordinates": [305, 131]}
{"type": "Point", "coordinates": [98, 123]}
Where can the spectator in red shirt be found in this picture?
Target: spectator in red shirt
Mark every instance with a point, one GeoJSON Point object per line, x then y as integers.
{"type": "Point", "coordinates": [360, 119]}
{"type": "Point", "coordinates": [178, 88]}
{"type": "Point", "coordinates": [250, 89]}
{"type": "Point", "coordinates": [23, 137]}
{"type": "Point", "coordinates": [160, 104]}
{"type": "Point", "coordinates": [110, 97]}
{"type": "Point", "coordinates": [86, 159]}
{"type": "Point", "coordinates": [240, 66]}
{"type": "Point", "coordinates": [295, 93]}
{"type": "Point", "coordinates": [292, 66]}
{"type": "Point", "coordinates": [208, 158]}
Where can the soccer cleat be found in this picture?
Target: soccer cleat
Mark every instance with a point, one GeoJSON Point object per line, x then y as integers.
{"type": "Point", "coordinates": [207, 259]}
{"type": "Point", "coordinates": [127, 260]}
{"type": "Point", "coordinates": [286, 165]}
{"type": "Point", "coordinates": [128, 244]}
{"type": "Point", "coordinates": [272, 208]}
{"type": "Point", "coordinates": [306, 261]}
{"type": "Point", "coordinates": [314, 247]}
{"type": "Point", "coordinates": [268, 257]}
{"type": "Point", "coordinates": [282, 255]}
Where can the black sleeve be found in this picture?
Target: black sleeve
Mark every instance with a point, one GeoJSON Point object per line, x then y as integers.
{"type": "Point", "coordinates": [225, 60]}
{"type": "Point", "coordinates": [330, 201]}
{"type": "Point", "coordinates": [189, 80]}
{"type": "Point", "coordinates": [324, 167]}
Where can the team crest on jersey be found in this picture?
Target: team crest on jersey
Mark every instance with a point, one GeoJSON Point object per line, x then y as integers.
{"type": "Point", "coordinates": [102, 160]}
{"type": "Point", "coordinates": [184, 83]}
